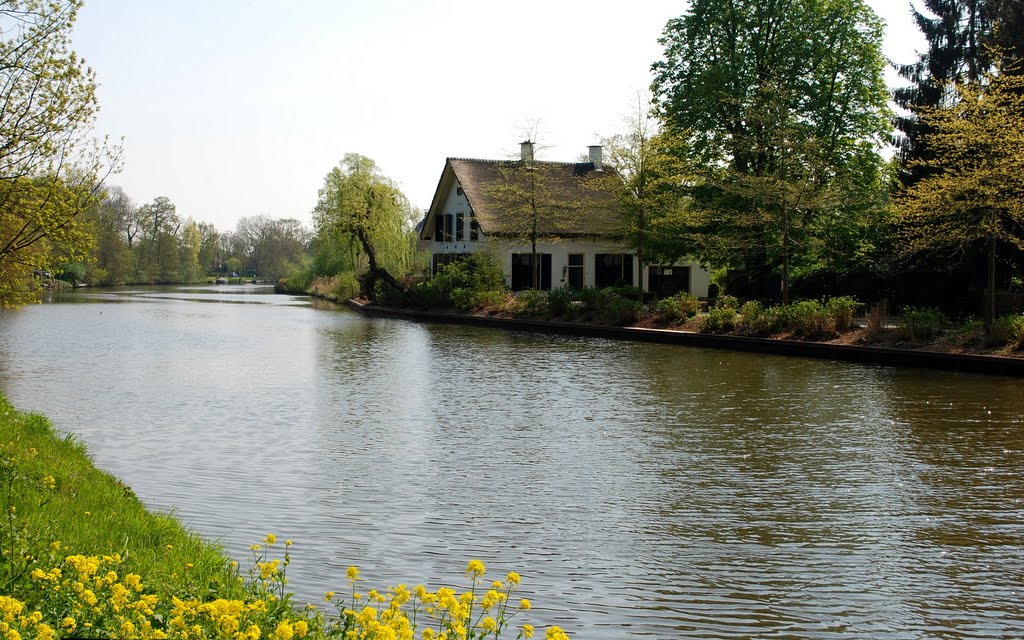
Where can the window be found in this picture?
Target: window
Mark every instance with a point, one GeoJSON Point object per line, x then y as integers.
{"type": "Point", "coordinates": [443, 228]}
{"type": "Point", "coordinates": [667, 281]}
{"type": "Point", "coordinates": [474, 227]}
{"type": "Point", "coordinates": [459, 191]}
{"type": "Point", "coordinates": [460, 226]}
{"type": "Point", "coordinates": [522, 271]}
{"type": "Point", "coordinates": [574, 275]}
{"type": "Point", "coordinates": [611, 269]}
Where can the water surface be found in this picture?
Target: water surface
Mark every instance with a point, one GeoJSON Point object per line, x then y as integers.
{"type": "Point", "coordinates": [641, 490]}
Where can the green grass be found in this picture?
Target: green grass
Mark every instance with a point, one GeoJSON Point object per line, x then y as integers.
{"type": "Point", "coordinates": [89, 512]}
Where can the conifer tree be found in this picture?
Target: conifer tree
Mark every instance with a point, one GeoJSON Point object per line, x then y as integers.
{"type": "Point", "coordinates": [958, 32]}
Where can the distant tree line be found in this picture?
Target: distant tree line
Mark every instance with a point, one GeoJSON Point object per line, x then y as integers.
{"type": "Point", "coordinates": [153, 244]}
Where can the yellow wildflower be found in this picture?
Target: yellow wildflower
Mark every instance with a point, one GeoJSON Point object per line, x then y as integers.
{"type": "Point", "coordinates": [89, 597]}
{"type": "Point", "coordinates": [10, 607]}
{"type": "Point", "coordinates": [12, 634]}
{"type": "Point", "coordinates": [128, 629]}
{"type": "Point", "coordinates": [512, 578]}
{"type": "Point", "coordinates": [48, 482]}
{"type": "Point", "coordinates": [555, 633]}
{"type": "Point", "coordinates": [255, 547]}
{"type": "Point", "coordinates": [527, 631]}
{"type": "Point", "coordinates": [475, 568]}
{"type": "Point", "coordinates": [489, 624]}
{"type": "Point", "coordinates": [288, 542]}
{"type": "Point", "coordinates": [301, 628]}
{"type": "Point", "coordinates": [134, 581]}
{"type": "Point", "coordinates": [352, 574]}
{"type": "Point", "coordinates": [68, 624]}
{"type": "Point", "coordinates": [253, 632]}
{"type": "Point", "coordinates": [55, 546]}
{"type": "Point", "coordinates": [428, 634]}
{"type": "Point", "coordinates": [328, 596]}
{"type": "Point", "coordinates": [284, 631]}
{"type": "Point", "coordinates": [270, 539]}
{"type": "Point", "coordinates": [524, 604]}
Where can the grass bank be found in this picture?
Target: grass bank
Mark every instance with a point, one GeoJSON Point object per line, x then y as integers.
{"type": "Point", "coordinates": [81, 556]}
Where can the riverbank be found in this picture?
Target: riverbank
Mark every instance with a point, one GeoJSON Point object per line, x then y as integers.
{"type": "Point", "coordinates": [81, 556]}
{"type": "Point", "coordinates": [964, 353]}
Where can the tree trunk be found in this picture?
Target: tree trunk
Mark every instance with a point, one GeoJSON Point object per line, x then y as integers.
{"type": "Point", "coordinates": [990, 286]}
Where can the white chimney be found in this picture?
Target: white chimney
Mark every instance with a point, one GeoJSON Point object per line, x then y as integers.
{"type": "Point", "coordinates": [526, 151]}
{"type": "Point", "coordinates": [596, 156]}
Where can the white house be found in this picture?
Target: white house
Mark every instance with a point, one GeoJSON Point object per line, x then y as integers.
{"type": "Point", "coordinates": [485, 205]}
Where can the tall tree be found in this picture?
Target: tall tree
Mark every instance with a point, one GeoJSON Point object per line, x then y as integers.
{"type": "Point", "coordinates": [957, 32]}
{"type": "Point", "coordinates": [788, 96]}
{"type": "Point", "coordinates": [49, 172]}
{"type": "Point", "coordinates": [365, 212]}
{"type": "Point", "coordinates": [972, 192]}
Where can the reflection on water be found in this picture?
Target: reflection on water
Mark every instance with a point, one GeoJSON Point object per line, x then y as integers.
{"type": "Point", "coordinates": [642, 490]}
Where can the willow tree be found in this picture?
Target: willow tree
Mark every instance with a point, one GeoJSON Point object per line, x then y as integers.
{"type": "Point", "coordinates": [368, 215]}
{"type": "Point", "coordinates": [48, 168]}
{"type": "Point", "coordinates": [972, 191]}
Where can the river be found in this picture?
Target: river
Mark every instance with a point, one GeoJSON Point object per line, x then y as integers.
{"type": "Point", "coordinates": [641, 490]}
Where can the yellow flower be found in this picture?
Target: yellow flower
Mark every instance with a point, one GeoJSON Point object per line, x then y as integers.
{"type": "Point", "coordinates": [48, 482]}
{"type": "Point", "coordinates": [128, 628]}
{"type": "Point", "coordinates": [253, 632]}
{"type": "Point", "coordinates": [68, 624]}
{"type": "Point", "coordinates": [352, 574]}
{"type": "Point", "coordinates": [489, 624]}
{"type": "Point", "coordinates": [428, 634]}
{"type": "Point", "coordinates": [284, 631]}
{"type": "Point", "coordinates": [270, 539]}
{"type": "Point", "coordinates": [512, 578]}
{"type": "Point", "coordinates": [475, 568]}
{"type": "Point", "coordinates": [255, 547]}
{"type": "Point", "coordinates": [555, 633]}
{"type": "Point", "coordinates": [134, 581]}
{"type": "Point", "coordinates": [524, 604]}
{"type": "Point", "coordinates": [301, 628]}
{"type": "Point", "coordinates": [527, 631]}
{"type": "Point", "coordinates": [328, 596]}
{"type": "Point", "coordinates": [55, 546]}
{"type": "Point", "coordinates": [288, 542]}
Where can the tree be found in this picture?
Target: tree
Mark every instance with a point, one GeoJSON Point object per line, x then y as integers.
{"type": "Point", "coordinates": [972, 190]}
{"type": "Point", "coordinates": [649, 163]}
{"type": "Point", "coordinates": [48, 171]}
{"type": "Point", "coordinates": [157, 258]}
{"type": "Point", "coordinates": [368, 215]}
{"type": "Point", "coordinates": [273, 248]}
{"type": "Point", "coordinates": [956, 31]}
{"type": "Point", "coordinates": [782, 106]}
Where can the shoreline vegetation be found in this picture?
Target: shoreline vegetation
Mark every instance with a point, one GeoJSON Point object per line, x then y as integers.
{"type": "Point", "coordinates": [473, 291]}
{"type": "Point", "coordinates": [80, 556]}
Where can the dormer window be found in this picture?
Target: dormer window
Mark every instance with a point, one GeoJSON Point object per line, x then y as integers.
{"type": "Point", "coordinates": [459, 191]}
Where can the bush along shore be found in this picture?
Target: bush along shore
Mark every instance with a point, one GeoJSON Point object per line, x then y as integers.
{"type": "Point", "coordinates": [475, 286]}
{"type": "Point", "coordinates": [80, 556]}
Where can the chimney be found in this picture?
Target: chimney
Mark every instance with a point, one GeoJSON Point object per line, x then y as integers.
{"type": "Point", "coordinates": [596, 156]}
{"type": "Point", "coordinates": [526, 151]}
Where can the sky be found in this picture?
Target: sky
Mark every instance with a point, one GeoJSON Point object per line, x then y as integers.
{"type": "Point", "coordinates": [235, 108]}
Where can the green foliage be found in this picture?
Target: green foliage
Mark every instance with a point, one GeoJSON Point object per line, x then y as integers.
{"type": "Point", "coordinates": [1008, 330]}
{"type": "Point", "coordinates": [678, 308]}
{"type": "Point", "coordinates": [719, 320]}
{"type": "Point", "coordinates": [920, 325]}
{"type": "Point", "coordinates": [727, 302]}
{"type": "Point", "coordinates": [842, 309]}
{"type": "Point", "coordinates": [782, 107]}
{"type": "Point", "coordinates": [366, 215]}
{"type": "Point", "coordinates": [535, 303]}
{"type": "Point", "coordinates": [457, 283]}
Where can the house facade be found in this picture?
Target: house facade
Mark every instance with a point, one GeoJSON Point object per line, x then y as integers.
{"type": "Point", "coordinates": [568, 211]}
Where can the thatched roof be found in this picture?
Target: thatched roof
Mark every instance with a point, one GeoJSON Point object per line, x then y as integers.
{"type": "Point", "coordinates": [571, 199]}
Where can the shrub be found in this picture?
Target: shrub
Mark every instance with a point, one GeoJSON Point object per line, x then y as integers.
{"type": "Point", "coordinates": [560, 301]}
{"type": "Point", "coordinates": [811, 319]}
{"type": "Point", "coordinates": [620, 311]}
{"type": "Point", "coordinates": [535, 303]}
{"type": "Point", "coordinates": [679, 307]}
{"type": "Point", "coordinates": [755, 319]}
{"type": "Point", "coordinates": [1008, 330]}
{"type": "Point", "coordinates": [476, 272]}
{"type": "Point", "coordinates": [493, 301]}
{"type": "Point", "coordinates": [842, 310]}
{"type": "Point", "coordinates": [728, 302]}
{"type": "Point", "coordinates": [719, 320]}
{"type": "Point", "coordinates": [920, 325]}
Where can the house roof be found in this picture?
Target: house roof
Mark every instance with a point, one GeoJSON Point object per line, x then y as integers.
{"type": "Point", "coordinates": [571, 199]}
